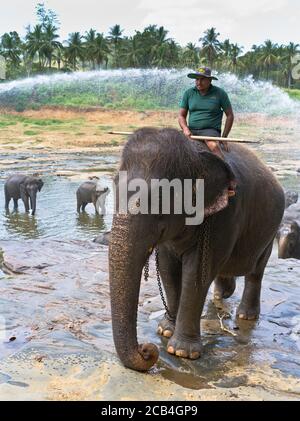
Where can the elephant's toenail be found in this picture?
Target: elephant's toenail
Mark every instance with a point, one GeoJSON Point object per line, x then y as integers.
{"type": "Point", "coordinates": [167, 333]}
{"type": "Point", "coordinates": [181, 353]}
{"type": "Point", "coordinates": [242, 316]}
{"type": "Point", "coordinates": [171, 350]}
{"type": "Point", "coordinates": [160, 330]}
{"type": "Point", "coordinates": [194, 355]}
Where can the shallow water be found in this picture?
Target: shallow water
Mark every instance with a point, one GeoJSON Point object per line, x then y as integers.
{"type": "Point", "coordinates": [56, 214]}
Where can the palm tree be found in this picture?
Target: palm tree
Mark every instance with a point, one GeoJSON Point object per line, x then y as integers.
{"type": "Point", "coordinates": [288, 54]}
{"type": "Point", "coordinates": [35, 44]}
{"type": "Point", "coordinates": [51, 44]}
{"type": "Point", "coordinates": [115, 36]}
{"type": "Point", "coordinates": [90, 45]}
{"type": "Point", "coordinates": [191, 55]}
{"type": "Point", "coordinates": [74, 50]}
{"type": "Point", "coordinates": [11, 48]}
{"type": "Point", "coordinates": [210, 45]}
{"type": "Point", "coordinates": [268, 55]}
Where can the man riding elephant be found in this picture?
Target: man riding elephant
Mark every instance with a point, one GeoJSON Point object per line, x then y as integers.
{"type": "Point", "coordinates": [205, 104]}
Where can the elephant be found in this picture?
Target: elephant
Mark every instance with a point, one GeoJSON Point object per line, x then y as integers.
{"type": "Point", "coordinates": [235, 239]}
{"type": "Point", "coordinates": [25, 187]}
{"type": "Point", "coordinates": [288, 235]}
{"type": "Point", "coordinates": [92, 192]}
{"type": "Point", "coordinates": [290, 198]}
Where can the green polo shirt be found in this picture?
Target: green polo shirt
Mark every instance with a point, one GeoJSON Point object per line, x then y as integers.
{"type": "Point", "coordinates": [205, 111]}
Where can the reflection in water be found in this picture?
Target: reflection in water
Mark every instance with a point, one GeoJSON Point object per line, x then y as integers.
{"type": "Point", "coordinates": [22, 224]}
{"type": "Point", "coordinates": [93, 223]}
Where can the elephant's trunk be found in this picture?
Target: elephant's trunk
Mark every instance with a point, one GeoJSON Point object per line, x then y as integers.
{"type": "Point", "coordinates": [126, 261]}
{"type": "Point", "coordinates": [33, 202]}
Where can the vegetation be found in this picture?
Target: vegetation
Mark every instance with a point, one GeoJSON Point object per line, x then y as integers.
{"type": "Point", "coordinates": [41, 51]}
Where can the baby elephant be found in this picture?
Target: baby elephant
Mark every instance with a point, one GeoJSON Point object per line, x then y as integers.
{"type": "Point", "coordinates": [23, 187]}
{"type": "Point", "coordinates": [288, 235]}
{"type": "Point", "coordinates": [92, 192]}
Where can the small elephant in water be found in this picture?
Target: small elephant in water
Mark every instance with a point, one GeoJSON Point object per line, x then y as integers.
{"type": "Point", "coordinates": [19, 186]}
{"type": "Point", "coordinates": [92, 192]}
{"type": "Point", "coordinates": [290, 198]}
{"type": "Point", "coordinates": [288, 235]}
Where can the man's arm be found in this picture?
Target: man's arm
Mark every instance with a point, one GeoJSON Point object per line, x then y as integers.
{"type": "Point", "coordinates": [182, 121]}
{"type": "Point", "coordinates": [229, 122]}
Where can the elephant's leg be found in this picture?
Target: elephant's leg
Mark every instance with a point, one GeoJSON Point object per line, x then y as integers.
{"type": "Point", "coordinates": [15, 204]}
{"type": "Point", "coordinates": [224, 287]}
{"type": "Point", "coordinates": [170, 268]}
{"type": "Point", "coordinates": [7, 198]}
{"type": "Point", "coordinates": [83, 206]}
{"type": "Point", "coordinates": [249, 307]}
{"type": "Point", "coordinates": [186, 340]}
{"type": "Point", "coordinates": [26, 202]}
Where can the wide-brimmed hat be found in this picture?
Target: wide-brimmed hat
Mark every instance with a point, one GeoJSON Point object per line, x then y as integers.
{"type": "Point", "coordinates": [202, 72]}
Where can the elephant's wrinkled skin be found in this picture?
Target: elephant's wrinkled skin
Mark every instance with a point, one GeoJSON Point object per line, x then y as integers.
{"type": "Point", "coordinates": [241, 237]}
{"type": "Point", "coordinates": [288, 235]}
{"type": "Point", "coordinates": [19, 186]}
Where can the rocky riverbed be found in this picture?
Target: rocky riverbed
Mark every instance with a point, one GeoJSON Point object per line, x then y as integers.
{"type": "Point", "coordinates": [57, 342]}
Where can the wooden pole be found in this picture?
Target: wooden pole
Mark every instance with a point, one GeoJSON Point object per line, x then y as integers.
{"type": "Point", "coordinates": [217, 139]}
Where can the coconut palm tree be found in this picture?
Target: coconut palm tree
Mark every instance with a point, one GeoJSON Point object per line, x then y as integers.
{"type": "Point", "coordinates": [51, 43]}
{"type": "Point", "coordinates": [35, 44]}
{"type": "Point", "coordinates": [287, 56]}
{"type": "Point", "coordinates": [11, 45]}
{"type": "Point", "coordinates": [210, 45]}
{"type": "Point", "coordinates": [268, 56]}
{"type": "Point", "coordinates": [115, 36]}
{"type": "Point", "coordinates": [74, 50]}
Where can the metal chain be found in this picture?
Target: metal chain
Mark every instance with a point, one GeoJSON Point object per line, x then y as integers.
{"type": "Point", "coordinates": [204, 242]}
{"type": "Point", "coordinates": [146, 276]}
{"type": "Point", "coordinates": [205, 249]}
{"type": "Point", "coordinates": [159, 283]}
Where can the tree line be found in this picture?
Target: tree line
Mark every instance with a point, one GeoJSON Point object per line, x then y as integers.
{"type": "Point", "coordinates": [42, 51]}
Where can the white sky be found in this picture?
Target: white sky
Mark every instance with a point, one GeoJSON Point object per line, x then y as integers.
{"type": "Point", "coordinates": [245, 22]}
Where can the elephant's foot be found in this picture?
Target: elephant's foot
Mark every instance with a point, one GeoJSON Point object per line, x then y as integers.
{"type": "Point", "coordinates": [224, 287]}
{"type": "Point", "coordinates": [185, 347]}
{"type": "Point", "coordinates": [247, 312]}
{"type": "Point", "coordinates": [166, 326]}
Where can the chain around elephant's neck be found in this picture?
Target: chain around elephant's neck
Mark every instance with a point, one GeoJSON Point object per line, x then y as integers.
{"type": "Point", "coordinates": [203, 245]}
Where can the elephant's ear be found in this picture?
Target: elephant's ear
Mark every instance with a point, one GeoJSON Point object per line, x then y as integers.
{"type": "Point", "coordinates": [218, 177]}
{"type": "Point", "coordinates": [40, 184]}
{"type": "Point", "coordinates": [23, 189]}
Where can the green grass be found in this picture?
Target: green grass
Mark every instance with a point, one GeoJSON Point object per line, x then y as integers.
{"type": "Point", "coordinates": [293, 93]}
{"type": "Point", "coordinates": [30, 133]}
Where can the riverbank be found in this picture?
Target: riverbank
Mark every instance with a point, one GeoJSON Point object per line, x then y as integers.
{"type": "Point", "coordinates": [69, 129]}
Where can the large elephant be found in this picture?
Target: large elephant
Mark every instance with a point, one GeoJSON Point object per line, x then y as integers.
{"type": "Point", "coordinates": [235, 239]}
{"type": "Point", "coordinates": [19, 186]}
{"type": "Point", "coordinates": [288, 235]}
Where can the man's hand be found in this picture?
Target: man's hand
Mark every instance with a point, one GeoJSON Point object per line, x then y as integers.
{"type": "Point", "coordinates": [187, 132]}
{"type": "Point", "coordinates": [224, 145]}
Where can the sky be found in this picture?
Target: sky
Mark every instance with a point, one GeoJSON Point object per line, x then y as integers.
{"type": "Point", "coordinates": [243, 22]}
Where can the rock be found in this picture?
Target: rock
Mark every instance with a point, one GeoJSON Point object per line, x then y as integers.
{"type": "Point", "coordinates": [103, 238]}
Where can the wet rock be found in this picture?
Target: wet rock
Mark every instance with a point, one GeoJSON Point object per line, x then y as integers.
{"type": "Point", "coordinates": [103, 238]}
{"type": "Point", "coordinates": [290, 197]}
